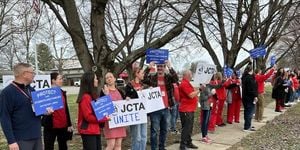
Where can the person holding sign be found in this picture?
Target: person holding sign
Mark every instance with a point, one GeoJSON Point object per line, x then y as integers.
{"type": "Point", "coordinates": [21, 127]}
{"type": "Point", "coordinates": [139, 131]}
{"type": "Point", "coordinates": [260, 79]}
{"type": "Point", "coordinates": [113, 136]}
{"type": "Point", "coordinates": [187, 108]}
{"type": "Point", "coordinates": [160, 119]}
{"type": "Point", "coordinates": [58, 124]}
{"type": "Point", "coordinates": [88, 125]}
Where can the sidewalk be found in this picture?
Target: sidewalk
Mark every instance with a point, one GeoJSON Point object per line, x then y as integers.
{"type": "Point", "coordinates": [225, 137]}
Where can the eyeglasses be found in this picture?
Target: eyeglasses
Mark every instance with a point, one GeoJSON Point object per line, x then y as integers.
{"type": "Point", "coordinates": [32, 72]}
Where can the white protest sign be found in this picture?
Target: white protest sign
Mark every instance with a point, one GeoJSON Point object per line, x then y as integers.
{"type": "Point", "coordinates": [39, 81]}
{"type": "Point", "coordinates": [153, 97]}
{"type": "Point", "coordinates": [128, 112]}
{"type": "Point", "coordinates": [204, 73]}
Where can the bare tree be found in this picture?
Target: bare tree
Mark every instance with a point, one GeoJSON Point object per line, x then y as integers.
{"type": "Point", "coordinates": [104, 55]}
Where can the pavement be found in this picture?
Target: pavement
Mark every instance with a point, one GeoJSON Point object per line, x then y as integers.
{"type": "Point", "coordinates": [225, 137]}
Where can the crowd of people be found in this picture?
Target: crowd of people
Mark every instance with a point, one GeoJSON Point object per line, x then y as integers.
{"type": "Point", "coordinates": [22, 128]}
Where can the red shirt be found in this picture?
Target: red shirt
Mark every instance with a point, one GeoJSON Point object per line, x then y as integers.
{"type": "Point", "coordinates": [59, 117]}
{"type": "Point", "coordinates": [295, 83]}
{"type": "Point", "coordinates": [162, 85]}
{"type": "Point", "coordinates": [221, 91]}
{"type": "Point", "coordinates": [260, 80]}
{"type": "Point", "coordinates": [187, 104]}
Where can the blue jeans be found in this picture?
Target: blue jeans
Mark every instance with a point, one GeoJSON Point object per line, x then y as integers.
{"type": "Point", "coordinates": [159, 126]}
{"type": "Point", "coordinates": [204, 124]}
{"type": "Point", "coordinates": [138, 136]}
{"type": "Point", "coordinates": [174, 116]}
{"type": "Point", "coordinates": [248, 114]}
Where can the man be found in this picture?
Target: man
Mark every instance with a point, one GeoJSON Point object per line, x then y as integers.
{"type": "Point", "coordinates": [21, 127]}
{"type": "Point", "coordinates": [187, 107]}
{"type": "Point", "coordinates": [249, 96]}
{"type": "Point", "coordinates": [160, 119]}
{"type": "Point", "coordinates": [260, 79]}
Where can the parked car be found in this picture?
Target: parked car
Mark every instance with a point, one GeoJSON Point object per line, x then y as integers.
{"type": "Point", "coordinates": [77, 83]}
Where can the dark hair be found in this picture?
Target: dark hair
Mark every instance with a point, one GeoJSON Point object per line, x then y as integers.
{"type": "Point", "coordinates": [53, 75]}
{"type": "Point", "coordinates": [136, 70]}
{"type": "Point", "coordinates": [278, 73]}
{"type": "Point", "coordinates": [87, 86]}
{"type": "Point", "coordinates": [248, 69]}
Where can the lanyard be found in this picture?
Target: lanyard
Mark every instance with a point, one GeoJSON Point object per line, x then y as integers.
{"type": "Point", "coordinates": [22, 91]}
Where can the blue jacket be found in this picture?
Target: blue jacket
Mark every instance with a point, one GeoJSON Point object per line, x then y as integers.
{"type": "Point", "coordinates": [18, 121]}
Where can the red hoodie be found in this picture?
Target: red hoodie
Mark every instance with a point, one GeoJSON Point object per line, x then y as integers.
{"type": "Point", "coordinates": [260, 80]}
{"type": "Point", "coordinates": [220, 90]}
{"type": "Point", "coordinates": [85, 112]}
{"type": "Point", "coordinates": [295, 83]}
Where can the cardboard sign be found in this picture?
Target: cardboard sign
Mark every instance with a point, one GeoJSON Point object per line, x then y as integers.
{"type": "Point", "coordinates": [159, 56]}
{"type": "Point", "coordinates": [39, 82]}
{"type": "Point", "coordinates": [103, 106]}
{"type": "Point", "coordinates": [128, 112]}
{"type": "Point", "coordinates": [47, 98]}
{"type": "Point", "coordinates": [273, 60]}
{"type": "Point", "coordinates": [204, 73]}
{"type": "Point", "coordinates": [258, 52]}
{"type": "Point", "coordinates": [153, 97]}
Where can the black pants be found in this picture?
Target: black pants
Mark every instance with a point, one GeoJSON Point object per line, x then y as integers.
{"type": "Point", "coordinates": [187, 122]}
{"type": "Point", "coordinates": [50, 135]}
{"type": "Point", "coordinates": [248, 114]}
{"type": "Point", "coordinates": [91, 142]}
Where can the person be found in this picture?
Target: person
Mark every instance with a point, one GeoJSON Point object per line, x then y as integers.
{"type": "Point", "coordinates": [213, 112]}
{"type": "Point", "coordinates": [234, 99]}
{"type": "Point", "coordinates": [206, 101]}
{"type": "Point", "coordinates": [260, 80]}
{"type": "Point", "coordinates": [113, 136]}
{"type": "Point", "coordinates": [163, 78]}
{"type": "Point", "coordinates": [21, 127]}
{"type": "Point", "coordinates": [58, 124]}
{"type": "Point", "coordinates": [174, 110]}
{"type": "Point", "coordinates": [88, 125]}
{"type": "Point", "coordinates": [249, 98]}
{"type": "Point", "coordinates": [278, 90]}
{"type": "Point", "coordinates": [187, 108]}
{"type": "Point", "coordinates": [139, 131]}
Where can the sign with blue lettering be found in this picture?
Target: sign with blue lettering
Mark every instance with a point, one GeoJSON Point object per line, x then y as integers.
{"type": "Point", "coordinates": [128, 112]}
{"type": "Point", "coordinates": [258, 52]}
{"type": "Point", "coordinates": [159, 56]}
{"type": "Point", "coordinates": [45, 99]}
{"type": "Point", "coordinates": [153, 98]}
{"type": "Point", "coordinates": [228, 72]}
{"type": "Point", "coordinates": [103, 106]}
{"type": "Point", "coordinates": [273, 60]}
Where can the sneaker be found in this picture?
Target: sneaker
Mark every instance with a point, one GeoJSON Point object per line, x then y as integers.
{"type": "Point", "coordinates": [174, 132]}
{"type": "Point", "coordinates": [249, 130]}
{"type": "Point", "coordinates": [206, 140]}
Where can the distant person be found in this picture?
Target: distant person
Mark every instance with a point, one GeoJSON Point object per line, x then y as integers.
{"type": "Point", "coordinates": [58, 124]}
{"type": "Point", "coordinates": [139, 131]}
{"type": "Point", "coordinates": [278, 90]}
{"type": "Point", "coordinates": [207, 96]}
{"type": "Point", "coordinates": [88, 125]}
{"type": "Point", "coordinates": [249, 96]}
{"type": "Point", "coordinates": [187, 108]}
{"type": "Point", "coordinates": [214, 108]}
{"type": "Point", "coordinates": [163, 78]}
{"type": "Point", "coordinates": [21, 127]}
{"type": "Point", "coordinates": [113, 136]}
{"type": "Point", "coordinates": [260, 79]}
{"type": "Point", "coordinates": [174, 110]}
{"type": "Point", "coordinates": [234, 99]}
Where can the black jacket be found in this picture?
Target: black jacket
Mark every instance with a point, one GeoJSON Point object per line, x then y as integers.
{"type": "Point", "coordinates": [278, 89]}
{"type": "Point", "coordinates": [249, 88]}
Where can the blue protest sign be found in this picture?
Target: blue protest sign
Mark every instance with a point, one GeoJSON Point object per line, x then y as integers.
{"type": "Point", "coordinates": [157, 55]}
{"type": "Point", "coordinates": [103, 106]}
{"type": "Point", "coordinates": [46, 98]}
{"type": "Point", "coordinates": [228, 71]}
{"type": "Point", "coordinates": [273, 60]}
{"type": "Point", "coordinates": [258, 52]}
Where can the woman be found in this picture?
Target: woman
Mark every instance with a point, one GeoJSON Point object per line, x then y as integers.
{"type": "Point", "coordinates": [250, 93]}
{"type": "Point", "coordinates": [113, 136]}
{"type": "Point", "coordinates": [234, 99]}
{"type": "Point", "coordinates": [88, 125]}
{"type": "Point", "coordinates": [278, 91]}
{"type": "Point", "coordinates": [58, 124]}
{"type": "Point", "coordinates": [139, 131]}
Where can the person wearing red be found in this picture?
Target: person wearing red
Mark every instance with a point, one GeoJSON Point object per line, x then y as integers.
{"type": "Point", "coordinates": [220, 85]}
{"type": "Point", "coordinates": [187, 108]}
{"type": "Point", "coordinates": [278, 90]}
{"type": "Point", "coordinates": [234, 99]}
{"type": "Point", "coordinates": [214, 108]}
{"type": "Point", "coordinates": [295, 88]}
{"type": "Point", "coordinates": [260, 80]}
{"type": "Point", "coordinates": [58, 124]}
{"type": "Point", "coordinates": [88, 125]}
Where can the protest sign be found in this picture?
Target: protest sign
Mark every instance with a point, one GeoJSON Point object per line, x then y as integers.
{"type": "Point", "coordinates": [159, 56]}
{"type": "Point", "coordinates": [39, 81]}
{"type": "Point", "coordinates": [228, 72]}
{"type": "Point", "coordinates": [46, 98]}
{"type": "Point", "coordinates": [128, 112]}
{"type": "Point", "coordinates": [153, 97]}
{"type": "Point", "coordinates": [258, 52]}
{"type": "Point", "coordinates": [204, 73]}
{"type": "Point", "coordinates": [273, 60]}
{"type": "Point", "coordinates": [103, 106]}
